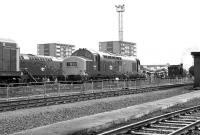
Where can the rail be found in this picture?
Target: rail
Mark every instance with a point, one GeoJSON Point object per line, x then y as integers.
{"type": "Point", "coordinates": [180, 122]}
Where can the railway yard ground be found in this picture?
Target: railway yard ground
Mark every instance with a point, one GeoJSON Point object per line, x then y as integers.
{"type": "Point", "coordinates": [95, 115]}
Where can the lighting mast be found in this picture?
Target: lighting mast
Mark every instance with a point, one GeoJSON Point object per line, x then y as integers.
{"type": "Point", "coordinates": [120, 9]}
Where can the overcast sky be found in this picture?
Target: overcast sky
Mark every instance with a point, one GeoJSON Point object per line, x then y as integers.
{"type": "Point", "coordinates": [165, 31]}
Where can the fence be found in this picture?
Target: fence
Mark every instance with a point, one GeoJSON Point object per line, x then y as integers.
{"type": "Point", "coordinates": [30, 90]}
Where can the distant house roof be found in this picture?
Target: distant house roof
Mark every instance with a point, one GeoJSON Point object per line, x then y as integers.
{"type": "Point", "coordinates": [61, 44]}
{"type": "Point", "coordinates": [195, 53]}
{"type": "Point", "coordinates": [40, 57]}
{"type": "Point", "coordinates": [111, 54]}
{"type": "Point", "coordinates": [7, 40]}
{"type": "Point", "coordinates": [119, 42]}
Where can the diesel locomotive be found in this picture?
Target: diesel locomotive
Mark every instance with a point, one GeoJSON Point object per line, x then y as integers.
{"type": "Point", "coordinates": [90, 64]}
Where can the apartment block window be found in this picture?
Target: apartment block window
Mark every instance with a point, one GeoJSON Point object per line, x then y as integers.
{"type": "Point", "coordinates": [57, 46]}
{"type": "Point", "coordinates": [110, 46]}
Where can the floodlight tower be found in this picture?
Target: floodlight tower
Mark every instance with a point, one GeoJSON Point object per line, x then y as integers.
{"type": "Point", "coordinates": [120, 9]}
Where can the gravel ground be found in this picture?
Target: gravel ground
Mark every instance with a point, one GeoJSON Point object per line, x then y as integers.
{"type": "Point", "coordinates": [15, 121]}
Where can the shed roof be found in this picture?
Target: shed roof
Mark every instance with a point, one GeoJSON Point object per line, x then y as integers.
{"type": "Point", "coordinates": [7, 40]}
{"type": "Point", "coordinates": [195, 53]}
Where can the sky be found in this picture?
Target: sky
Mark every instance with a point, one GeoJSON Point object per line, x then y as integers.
{"type": "Point", "coordinates": [165, 31]}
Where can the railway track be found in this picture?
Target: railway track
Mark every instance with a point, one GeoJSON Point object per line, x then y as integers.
{"type": "Point", "coordinates": [62, 99]}
{"type": "Point", "coordinates": [183, 122]}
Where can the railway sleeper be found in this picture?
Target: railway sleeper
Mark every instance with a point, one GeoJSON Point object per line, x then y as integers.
{"type": "Point", "coordinates": [31, 105]}
{"type": "Point", "coordinates": [66, 101]}
{"type": "Point", "coordinates": [159, 129]}
{"type": "Point", "coordinates": [87, 98]}
{"type": "Point", "coordinates": [97, 97]}
{"type": "Point", "coordinates": [15, 103]}
{"type": "Point", "coordinates": [56, 98]}
{"type": "Point", "coordinates": [186, 120]}
{"type": "Point", "coordinates": [40, 101]}
{"type": "Point", "coordinates": [189, 117]}
{"type": "Point", "coordinates": [6, 109]}
{"type": "Point", "coordinates": [97, 94]}
{"type": "Point", "coordinates": [24, 103]}
{"type": "Point", "coordinates": [64, 98]}
{"type": "Point", "coordinates": [59, 102]}
{"type": "Point", "coordinates": [15, 108]}
{"type": "Point", "coordinates": [33, 102]}
{"type": "Point", "coordinates": [41, 104]}
{"type": "Point", "coordinates": [104, 94]}
{"type": "Point", "coordinates": [4, 105]}
{"type": "Point", "coordinates": [159, 126]}
{"type": "Point", "coordinates": [50, 103]}
{"type": "Point", "coordinates": [156, 131]}
{"type": "Point", "coordinates": [79, 99]}
{"type": "Point", "coordinates": [92, 94]}
{"type": "Point", "coordinates": [49, 99]}
{"type": "Point", "coordinates": [71, 101]}
{"type": "Point", "coordinates": [11, 109]}
{"type": "Point", "coordinates": [91, 97]}
{"type": "Point", "coordinates": [177, 121]}
{"type": "Point", "coordinates": [142, 133]}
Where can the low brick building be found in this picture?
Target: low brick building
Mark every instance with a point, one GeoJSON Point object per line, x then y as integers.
{"type": "Point", "coordinates": [196, 56]}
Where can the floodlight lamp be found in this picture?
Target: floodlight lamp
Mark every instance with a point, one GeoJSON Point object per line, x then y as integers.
{"type": "Point", "coordinates": [120, 8]}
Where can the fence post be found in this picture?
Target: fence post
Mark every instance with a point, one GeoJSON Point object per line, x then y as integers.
{"type": "Point", "coordinates": [127, 83]}
{"type": "Point", "coordinates": [124, 84]}
{"type": "Point", "coordinates": [44, 89]}
{"type": "Point", "coordinates": [155, 82]}
{"type": "Point", "coordinates": [109, 84]}
{"type": "Point", "coordinates": [58, 88]}
{"type": "Point", "coordinates": [72, 86]}
{"type": "Point", "coordinates": [7, 94]}
{"type": "Point", "coordinates": [92, 85]}
{"type": "Point", "coordinates": [117, 84]}
{"type": "Point", "coordinates": [27, 90]}
{"type": "Point", "coordinates": [135, 84]}
{"type": "Point", "coordinates": [82, 87]}
{"type": "Point", "coordinates": [139, 84]}
{"type": "Point", "coordinates": [102, 85]}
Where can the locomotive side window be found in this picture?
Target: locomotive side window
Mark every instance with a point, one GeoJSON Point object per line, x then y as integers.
{"type": "Point", "coordinates": [71, 64]}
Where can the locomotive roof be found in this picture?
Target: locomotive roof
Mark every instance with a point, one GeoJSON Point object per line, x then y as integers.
{"type": "Point", "coordinates": [111, 54]}
{"type": "Point", "coordinates": [7, 40]}
{"type": "Point", "coordinates": [83, 58]}
{"type": "Point", "coordinates": [51, 58]}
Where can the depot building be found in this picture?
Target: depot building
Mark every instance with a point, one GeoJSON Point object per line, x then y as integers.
{"type": "Point", "coordinates": [196, 56]}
